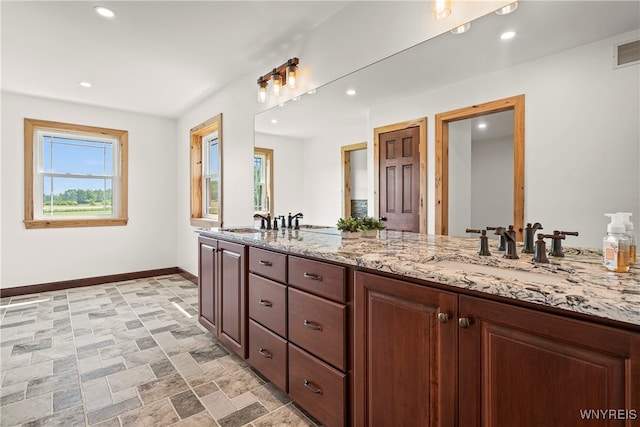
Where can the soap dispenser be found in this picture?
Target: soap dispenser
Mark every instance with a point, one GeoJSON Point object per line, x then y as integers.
{"type": "Point", "coordinates": [615, 246]}
{"type": "Point", "coordinates": [628, 226]}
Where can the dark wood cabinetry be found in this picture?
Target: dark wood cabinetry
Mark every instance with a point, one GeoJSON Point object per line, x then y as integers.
{"type": "Point", "coordinates": [222, 284]}
{"type": "Point", "coordinates": [425, 357]}
{"type": "Point", "coordinates": [405, 353]}
{"type": "Point", "coordinates": [525, 368]}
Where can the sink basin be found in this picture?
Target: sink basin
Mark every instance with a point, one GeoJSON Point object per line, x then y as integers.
{"type": "Point", "coordinates": [242, 230]}
{"type": "Point", "coordinates": [506, 273]}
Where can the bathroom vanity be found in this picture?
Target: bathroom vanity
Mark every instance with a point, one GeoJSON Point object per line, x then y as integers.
{"type": "Point", "coordinates": [412, 329]}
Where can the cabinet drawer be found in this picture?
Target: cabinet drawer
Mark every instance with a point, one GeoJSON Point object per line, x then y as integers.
{"type": "Point", "coordinates": [318, 326]}
{"type": "Point", "coordinates": [319, 278]}
{"type": "Point", "coordinates": [317, 387]}
{"type": "Point", "coordinates": [268, 303]}
{"type": "Point", "coordinates": [268, 264]}
{"type": "Point", "coordinates": [268, 354]}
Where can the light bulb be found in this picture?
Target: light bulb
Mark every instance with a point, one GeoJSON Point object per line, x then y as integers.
{"type": "Point", "coordinates": [442, 8]}
{"type": "Point", "coordinates": [292, 76]}
{"type": "Point", "coordinates": [277, 85]}
{"type": "Point", "coordinates": [262, 92]}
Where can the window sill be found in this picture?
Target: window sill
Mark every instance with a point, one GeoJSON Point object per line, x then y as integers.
{"type": "Point", "coordinates": [70, 223]}
{"type": "Point", "coordinates": [204, 223]}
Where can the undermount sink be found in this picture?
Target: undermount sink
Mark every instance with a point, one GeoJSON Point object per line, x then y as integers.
{"type": "Point", "coordinates": [507, 273]}
{"type": "Point", "coordinates": [243, 230]}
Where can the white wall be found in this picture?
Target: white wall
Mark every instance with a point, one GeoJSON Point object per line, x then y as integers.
{"type": "Point", "coordinates": [460, 160]}
{"type": "Point", "coordinates": [147, 242]}
{"type": "Point", "coordinates": [491, 193]}
{"type": "Point", "coordinates": [581, 135]}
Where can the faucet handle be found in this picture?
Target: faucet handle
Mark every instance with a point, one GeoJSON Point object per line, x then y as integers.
{"type": "Point", "coordinates": [483, 249]}
{"type": "Point", "coordinates": [540, 251]}
{"type": "Point", "coordinates": [556, 243]}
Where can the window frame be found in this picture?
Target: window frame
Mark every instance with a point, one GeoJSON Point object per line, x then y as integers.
{"type": "Point", "coordinates": [267, 153]}
{"type": "Point", "coordinates": [32, 151]}
{"type": "Point", "coordinates": [197, 163]}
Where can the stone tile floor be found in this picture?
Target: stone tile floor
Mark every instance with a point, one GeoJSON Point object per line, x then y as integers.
{"type": "Point", "coordinates": [126, 354]}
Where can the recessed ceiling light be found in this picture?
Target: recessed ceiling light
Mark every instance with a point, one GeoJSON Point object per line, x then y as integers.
{"type": "Point", "coordinates": [508, 35]}
{"type": "Point", "coordinates": [104, 11]}
{"type": "Point", "coordinates": [351, 92]}
{"type": "Point", "coordinates": [85, 84]}
{"type": "Point", "coordinates": [312, 92]}
{"type": "Point", "coordinates": [507, 9]}
{"type": "Point", "coordinates": [482, 125]}
{"type": "Point", "coordinates": [274, 121]}
{"type": "Point", "coordinates": [461, 29]}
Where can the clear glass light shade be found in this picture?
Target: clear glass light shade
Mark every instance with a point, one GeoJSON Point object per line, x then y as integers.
{"type": "Point", "coordinates": [262, 93]}
{"type": "Point", "coordinates": [292, 76]}
{"type": "Point", "coordinates": [277, 85]}
{"type": "Point", "coordinates": [441, 8]}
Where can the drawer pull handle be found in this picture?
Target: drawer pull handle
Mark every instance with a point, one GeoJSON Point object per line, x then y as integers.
{"type": "Point", "coordinates": [265, 263]}
{"type": "Point", "coordinates": [313, 277]}
{"type": "Point", "coordinates": [311, 386]}
{"type": "Point", "coordinates": [312, 325]}
{"type": "Point", "coordinates": [265, 302]}
{"type": "Point", "coordinates": [264, 353]}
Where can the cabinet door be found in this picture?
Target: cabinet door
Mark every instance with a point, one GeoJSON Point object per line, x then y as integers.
{"type": "Point", "coordinates": [207, 284]}
{"type": "Point", "coordinates": [405, 353]}
{"type": "Point", "coordinates": [521, 367]}
{"type": "Point", "coordinates": [232, 279]}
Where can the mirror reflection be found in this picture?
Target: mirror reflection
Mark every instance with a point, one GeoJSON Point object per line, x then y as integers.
{"type": "Point", "coordinates": [582, 114]}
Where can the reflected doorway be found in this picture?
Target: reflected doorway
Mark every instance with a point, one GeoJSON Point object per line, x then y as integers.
{"type": "Point", "coordinates": [354, 180]}
{"type": "Point", "coordinates": [444, 128]}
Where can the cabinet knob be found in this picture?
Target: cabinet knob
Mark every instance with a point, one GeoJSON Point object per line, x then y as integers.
{"type": "Point", "coordinates": [443, 317]}
{"type": "Point", "coordinates": [311, 386]}
{"type": "Point", "coordinates": [264, 353]}
{"type": "Point", "coordinates": [464, 322]}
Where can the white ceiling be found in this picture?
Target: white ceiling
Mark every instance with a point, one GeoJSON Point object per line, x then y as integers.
{"type": "Point", "coordinates": [155, 57]}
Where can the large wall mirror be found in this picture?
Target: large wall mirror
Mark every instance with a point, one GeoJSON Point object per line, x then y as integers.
{"type": "Point", "coordinates": [581, 115]}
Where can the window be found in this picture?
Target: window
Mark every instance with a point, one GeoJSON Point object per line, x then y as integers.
{"type": "Point", "coordinates": [75, 175]}
{"type": "Point", "coordinates": [263, 181]}
{"type": "Point", "coordinates": [206, 173]}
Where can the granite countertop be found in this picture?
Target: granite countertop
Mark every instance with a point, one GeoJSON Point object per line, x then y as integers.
{"type": "Point", "coordinates": [578, 282]}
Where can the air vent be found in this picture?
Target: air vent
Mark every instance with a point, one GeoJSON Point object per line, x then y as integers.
{"type": "Point", "coordinates": [627, 53]}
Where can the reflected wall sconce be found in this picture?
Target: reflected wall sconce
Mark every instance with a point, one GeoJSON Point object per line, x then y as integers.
{"type": "Point", "coordinates": [284, 75]}
{"type": "Point", "coordinates": [441, 8]}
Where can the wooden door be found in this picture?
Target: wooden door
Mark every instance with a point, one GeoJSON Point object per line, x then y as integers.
{"type": "Point", "coordinates": [207, 284]}
{"type": "Point", "coordinates": [232, 287]}
{"type": "Point", "coordinates": [524, 368]}
{"type": "Point", "coordinates": [405, 354]}
{"type": "Point", "coordinates": [399, 175]}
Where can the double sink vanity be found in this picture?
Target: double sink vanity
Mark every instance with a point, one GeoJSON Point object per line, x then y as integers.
{"type": "Point", "coordinates": [413, 330]}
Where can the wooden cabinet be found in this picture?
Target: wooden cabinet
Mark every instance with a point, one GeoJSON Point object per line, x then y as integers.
{"type": "Point", "coordinates": [268, 354]}
{"type": "Point", "coordinates": [425, 357]}
{"type": "Point", "coordinates": [222, 296]}
{"type": "Point", "coordinates": [521, 367]}
{"type": "Point", "coordinates": [405, 353]}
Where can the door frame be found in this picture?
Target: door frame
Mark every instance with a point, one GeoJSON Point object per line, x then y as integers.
{"type": "Point", "coordinates": [345, 157]}
{"type": "Point", "coordinates": [421, 124]}
{"type": "Point", "coordinates": [515, 103]}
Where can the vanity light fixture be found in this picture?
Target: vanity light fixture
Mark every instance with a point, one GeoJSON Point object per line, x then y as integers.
{"type": "Point", "coordinates": [507, 9]}
{"type": "Point", "coordinates": [286, 74]}
{"type": "Point", "coordinates": [461, 29]}
{"type": "Point", "coordinates": [104, 11]}
{"type": "Point", "coordinates": [441, 8]}
{"type": "Point", "coordinates": [507, 35]}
